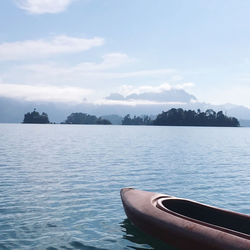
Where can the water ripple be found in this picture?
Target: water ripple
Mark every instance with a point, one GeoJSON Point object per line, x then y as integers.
{"type": "Point", "coordinates": [59, 185]}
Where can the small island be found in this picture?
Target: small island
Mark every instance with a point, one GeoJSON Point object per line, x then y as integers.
{"type": "Point", "coordinates": [36, 117]}
{"type": "Point", "coordinates": [180, 117]}
{"type": "Point", "coordinates": [83, 118]}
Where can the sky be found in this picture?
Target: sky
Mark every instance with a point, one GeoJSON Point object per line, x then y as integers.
{"type": "Point", "coordinates": [84, 50]}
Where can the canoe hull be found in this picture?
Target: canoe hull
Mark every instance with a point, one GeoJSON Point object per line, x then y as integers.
{"type": "Point", "coordinates": [141, 209]}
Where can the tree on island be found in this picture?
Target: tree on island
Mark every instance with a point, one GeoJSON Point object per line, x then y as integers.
{"type": "Point", "coordinates": [83, 118]}
{"type": "Point", "coordinates": [136, 120]}
{"type": "Point", "coordinates": [180, 117]}
{"type": "Point", "coordinates": [36, 117]}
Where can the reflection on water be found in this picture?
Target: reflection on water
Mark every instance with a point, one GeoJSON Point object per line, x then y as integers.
{"type": "Point", "coordinates": [142, 240]}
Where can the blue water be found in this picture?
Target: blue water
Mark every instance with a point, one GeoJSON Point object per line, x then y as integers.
{"type": "Point", "coordinates": [59, 184]}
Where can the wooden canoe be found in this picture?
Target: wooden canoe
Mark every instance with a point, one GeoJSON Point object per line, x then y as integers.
{"type": "Point", "coordinates": [186, 224]}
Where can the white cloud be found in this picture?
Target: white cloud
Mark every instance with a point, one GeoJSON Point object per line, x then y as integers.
{"type": "Point", "coordinates": [30, 49]}
{"type": "Point", "coordinates": [104, 72]}
{"type": "Point", "coordinates": [110, 61]}
{"type": "Point", "coordinates": [185, 85]}
{"type": "Point", "coordinates": [143, 73]}
{"type": "Point", "coordinates": [130, 89]}
{"type": "Point", "coordinates": [134, 102]}
{"type": "Point", "coordinates": [43, 6]}
{"type": "Point", "coordinates": [126, 90]}
{"type": "Point", "coordinates": [44, 93]}
{"type": "Point", "coordinates": [87, 73]}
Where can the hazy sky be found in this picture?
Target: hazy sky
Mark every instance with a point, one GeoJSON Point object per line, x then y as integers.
{"type": "Point", "coordinates": [68, 50]}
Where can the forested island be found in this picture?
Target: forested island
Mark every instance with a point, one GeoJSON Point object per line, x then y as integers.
{"type": "Point", "coordinates": [36, 117]}
{"type": "Point", "coordinates": [180, 117]}
{"type": "Point", "coordinates": [83, 118]}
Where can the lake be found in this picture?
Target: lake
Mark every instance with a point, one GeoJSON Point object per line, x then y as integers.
{"type": "Point", "coordinates": [60, 184]}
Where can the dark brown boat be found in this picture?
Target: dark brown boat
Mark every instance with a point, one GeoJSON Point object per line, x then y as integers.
{"type": "Point", "coordinates": [186, 224]}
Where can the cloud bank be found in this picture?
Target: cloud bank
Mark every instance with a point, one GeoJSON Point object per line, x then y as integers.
{"type": "Point", "coordinates": [144, 95]}
{"type": "Point", "coordinates": [46, 93]}
{"type": "Point", "coordinates": [130, 89]}
{"type": "Point", "coordinates": [43, 6]}
{"type": "Point", "coordinates": [31, 49]}
{"type": "Point", "coordinates": [162, 94]}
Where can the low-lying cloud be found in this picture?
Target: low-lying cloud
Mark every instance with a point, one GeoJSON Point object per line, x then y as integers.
{"type": "Point", "coordinates": [164, 93]}
{"type": "Point", "coordinates": [130, 89]}
{"type": "Point", "coordinates": [44, 93]}
{"type": "Point", "coordinates": [134, 102]}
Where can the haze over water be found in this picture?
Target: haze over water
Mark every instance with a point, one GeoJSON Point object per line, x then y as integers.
{"type": "Point", "coordinates": [60, 183]}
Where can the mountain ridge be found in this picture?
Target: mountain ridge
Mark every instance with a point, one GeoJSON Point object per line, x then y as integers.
{"type": "Point", "coordinates": [149, 102]}
{"type": "Point", "coordinates": [12, 110]}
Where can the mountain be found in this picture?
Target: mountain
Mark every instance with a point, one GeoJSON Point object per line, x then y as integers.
{"type": "Point", "coordinates": [172, 95]}
{"type": "Point", "coordinates": [12, 110]}
{"type": "Point", "coordinates": [244, 123]}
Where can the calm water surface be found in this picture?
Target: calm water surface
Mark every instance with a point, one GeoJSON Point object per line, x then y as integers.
{"type": "Point", "coordinates": [59, 184]}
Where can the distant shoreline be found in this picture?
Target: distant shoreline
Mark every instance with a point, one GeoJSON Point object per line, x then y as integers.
{"type": "Point", "coordinates": [20, 123]}
{"type": "Point", "coordinates": [173, 117]}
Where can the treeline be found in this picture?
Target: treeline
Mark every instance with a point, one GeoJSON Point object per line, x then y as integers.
{"type": "Point", "coordinates": [180, 117]}
{"type": "Point", "coordinates": [172, 117]}
{"type": "Point", "coordinates": [83, 118]}
{"type": "Point", "coordinates": [137, 120]}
